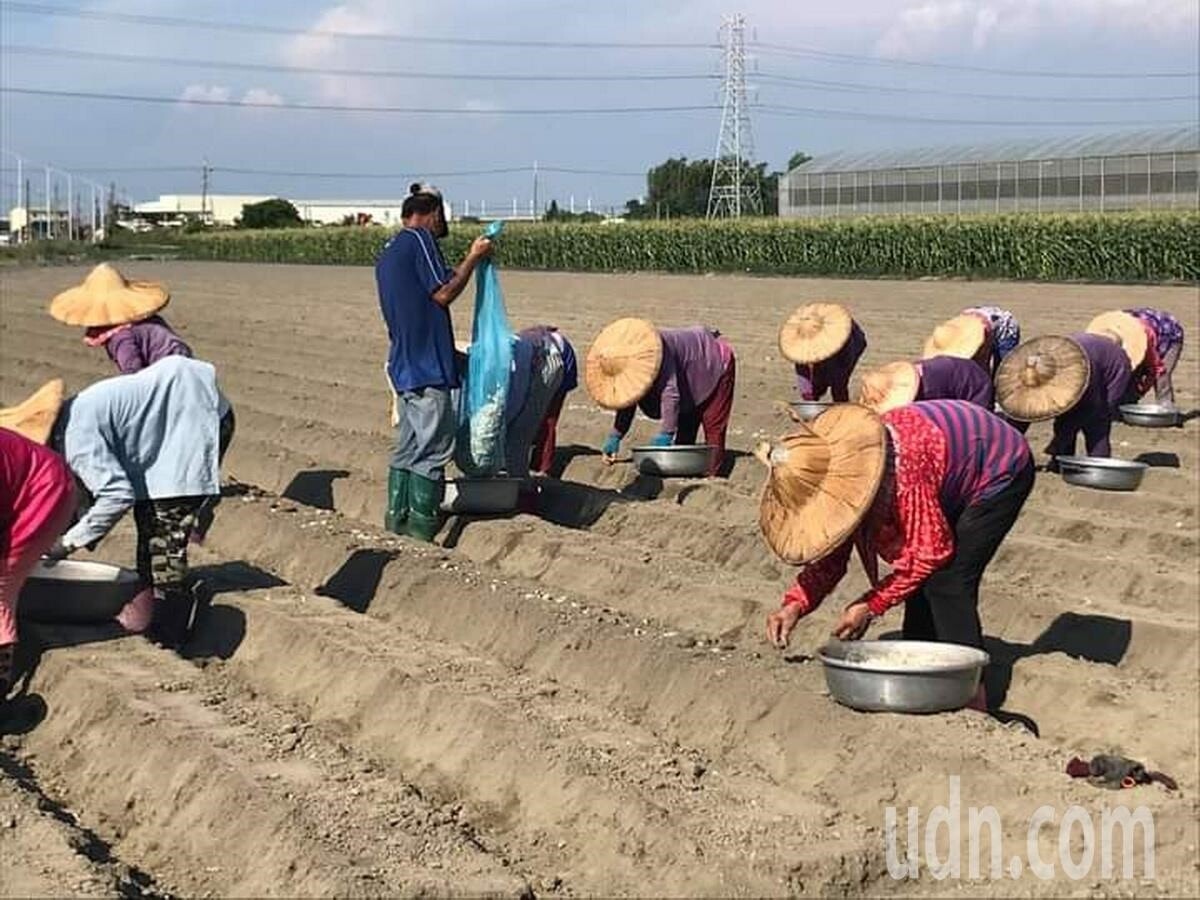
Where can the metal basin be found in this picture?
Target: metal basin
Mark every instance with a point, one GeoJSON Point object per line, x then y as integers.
{"type": "Point", "coordinates": [682, 461]}
{"type": "Point", "coordinates": [1150, 415]}
{"type": "Point", "coordinates": [481, 496]}
{"type": "Point", "coordinates": [810, 409]}
{"type": "Point", "coordinates": [75, 592]}
{"type": "Point", "coordinates": [1100, 473]}
{"type": "Point", "coordinates": [902, 676]}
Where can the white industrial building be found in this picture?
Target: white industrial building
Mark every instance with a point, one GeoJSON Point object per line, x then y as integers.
{"type": "Point", "coordinates": [224, 209]}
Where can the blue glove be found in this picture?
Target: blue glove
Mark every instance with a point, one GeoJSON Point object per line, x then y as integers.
{"type": "Point", "coordinates": [612, 445]}
{"type": "Point", "coordinates": [663, 439]}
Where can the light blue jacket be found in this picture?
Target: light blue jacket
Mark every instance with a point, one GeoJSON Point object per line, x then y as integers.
{"type": "Point", "coordinates": [151, 435]}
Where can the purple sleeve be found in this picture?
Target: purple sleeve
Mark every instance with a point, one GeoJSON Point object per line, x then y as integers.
{"type": "Point", "coordinates": [123, 349]}
{"type": "Point", "coordinates": [804, 383]}
{"type": "Point", "coordinates": [669, 402]}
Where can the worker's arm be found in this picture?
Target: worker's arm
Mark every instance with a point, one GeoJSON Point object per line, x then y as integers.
{"type": "Point", "coordinates": [449, 291]}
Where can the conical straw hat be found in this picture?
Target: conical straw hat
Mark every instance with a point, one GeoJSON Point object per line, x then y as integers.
{"type": "Point", "coordinates": [34, 418]}
{"type": "Point", "coordinates": [815, 332]}
{"type": "Point", "coordinates": [823, 478]}
{"type": "Point", "coordinates": [1042, 378]}
{"type": "Point", "coordinates": [623, 362]}
{"type": "Point", "coordinates": [963, 336]}
{"type": "Point", "coordinates": [1127, 330]}
{"type": "Point", "coordinates": [107, 298]}
{"type": "Point", "coordinates": [890, 386]}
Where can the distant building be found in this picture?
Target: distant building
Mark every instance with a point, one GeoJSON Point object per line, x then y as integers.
{"type": "Point", "coordinates": [37, 223]}
{"type": "Point", "coordinates": [1154, 169]}
{"type": "Point", "coordinates": [225, 209]}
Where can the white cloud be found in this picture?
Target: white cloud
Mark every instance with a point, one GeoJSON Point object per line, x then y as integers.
{"type": "Point", "coordinates": [210, 92]}
{"type": "Point", "coordinates": [933, 26]}
{"type": "Point", "coordinates": [262, 96]}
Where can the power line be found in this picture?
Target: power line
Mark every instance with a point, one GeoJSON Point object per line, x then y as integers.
{"type": "Point", "coordinates": [330, 107]}
{"type": "Point", "coordinates": [815, 113]}
{"type": "Point", "coordinates": [256, 28]}
{"type": "Point", "coordinates": [810, 112]}
{"type": "Point", "coordinates": [860, 59]}
{"type": "Point", "coordinates": [177, 62]}
{"type": "Point", "coordinates": [860, 87]}
{"type": "Point", "coordinates": [373, 176]}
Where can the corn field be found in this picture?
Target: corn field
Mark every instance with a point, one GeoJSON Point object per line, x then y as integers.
{"type": "Point", "coordinates": [1115, 248]}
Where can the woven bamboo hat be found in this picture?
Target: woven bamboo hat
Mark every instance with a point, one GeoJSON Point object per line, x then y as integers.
{"type": "Point", "coordinates": [34, 418]}
{"type": "Point", "coordinates": [823, 478]}
{"type": "Point", "coordinates": [890, 386]}
{"type": "Point", "coordinates": [623, 362]}
{"type": "Point", "coordinates": [1042, 378]}
{"type": "Point", "coordinates": [106, 297]}
{"type": "Point", "coordinates": [963, 336]}
{"type": "Point", "coordinates": [815, 332]}
{"type": "Point", "coordinates": [1126, 329]}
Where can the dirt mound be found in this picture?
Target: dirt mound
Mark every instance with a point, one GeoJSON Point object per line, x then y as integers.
{"type": "Point", "coordinates": [580, 703]}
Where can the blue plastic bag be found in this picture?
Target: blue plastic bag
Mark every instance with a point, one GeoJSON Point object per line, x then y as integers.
{"type": "Point", "coordinates": [479, 450]}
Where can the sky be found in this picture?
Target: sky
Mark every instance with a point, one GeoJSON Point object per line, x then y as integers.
{"type": "Point", "coordinates": [907, 63]}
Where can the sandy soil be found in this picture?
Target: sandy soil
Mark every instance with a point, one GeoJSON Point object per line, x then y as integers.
{"type": "Point", "coordinates": [581, 703]}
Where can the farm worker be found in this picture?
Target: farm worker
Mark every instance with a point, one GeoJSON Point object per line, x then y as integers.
{"type": "Point", "coordinates": [824, 343]}
{"type": "Point", "coordinates": [932, 488]}
{"type": "Point", "coordinates": [1004, 332]}
{"type": "Point", "coordinates": [147, 442]}
{"type": "Point", "coordinates": [1079, 381]}
{"type": "Point", "coordinates": [545, 442]}
{"type": "Point", "coordinates": [122, 317]}
{"type": "Point", "coordinates": [1153, 358]}
{"type": "Point", "coordinates": [551, 353]}
{"type": "Point", "coordinates": [416, 288]}
{"type": "Point", "coordinates": [37, 497]}
{"type": "Point", "coordinates": [683, 377]}
{"type": "Point", "coordinates": [940, 378]}
{"type": "Point", "coordinates": [966, 336]}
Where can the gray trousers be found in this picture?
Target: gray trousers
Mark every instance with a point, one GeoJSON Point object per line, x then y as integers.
{"type": "Point", "coordinates": [424, 434]}
{"type": "Point", "coordinates": [1164, 390]}
{"type": "Point", "coordinates": [522, 429]}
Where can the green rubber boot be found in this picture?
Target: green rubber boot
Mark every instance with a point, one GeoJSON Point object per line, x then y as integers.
{"type": "Point", "coordinates": [425, 507]}
{"type": "Point", "coordinates": [397, 500]}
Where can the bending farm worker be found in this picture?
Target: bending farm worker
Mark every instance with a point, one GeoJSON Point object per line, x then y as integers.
{"type": "Point", "coordinates": [122, 317]}
{"type": "Point", "coordinates": [1163, 345]}
{"type": "Point", "coordinates": [966, 336]}
{"type": "Point", "coordinates": [36, 501]}
{"type": "Point", "coordinates": [147, 442]}
{"type": "Point", "coordinates": [941, 378]}
{"type": "Point", "coordinates": [932, 488]}
{"type": "Point", "coordinates": [1004, 332]}
{"type": "Point", "coordinates": [416, 288]}
{"type": "Point", "coordinates": [545, 441]}
{"type": "Point", "coordinates": [1079, 381]}
{"type": "Point", "coordinates": [683, 377]}
{"type": "Point", "coordinates": [824, 343]}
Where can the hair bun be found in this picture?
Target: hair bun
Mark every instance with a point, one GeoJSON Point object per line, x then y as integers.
{"type": "Point", "coordinates": [415, 187]}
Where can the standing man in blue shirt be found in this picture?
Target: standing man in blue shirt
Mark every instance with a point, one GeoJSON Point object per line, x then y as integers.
{"type": "Point", "coordinates": [416, 288]}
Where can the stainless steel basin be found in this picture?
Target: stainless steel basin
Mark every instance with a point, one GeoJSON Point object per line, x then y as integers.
{"type": "Point", "coordinates": [481, 496]}
{"type": "Point", "coordinates": [76, 592]}
{"type": "Point", "coordinates": [1101, 473]}
{"type": "Point", "coordinates": [810, 409]}
{"type": "Point", "coordinates": [902, 676]}
{"type": "Point", "coordinates": [1150, 415]}
{"type": "Point", "coordinates": [682, 461]}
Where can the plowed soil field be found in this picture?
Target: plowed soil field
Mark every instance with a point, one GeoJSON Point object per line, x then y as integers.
{"type": "Point", "coordinates": [580, 703]}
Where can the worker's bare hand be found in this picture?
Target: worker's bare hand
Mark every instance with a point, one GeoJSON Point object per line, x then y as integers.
{"type": "Point", "coordinates": [781, 624]}
{"type": "Point", "coordinates": [480, 247]}
{"type": "Point", "coordinates": [854, 622]}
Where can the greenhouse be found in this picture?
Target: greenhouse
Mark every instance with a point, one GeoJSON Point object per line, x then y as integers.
{"type": "Point", "coordinates": [1155, 169]}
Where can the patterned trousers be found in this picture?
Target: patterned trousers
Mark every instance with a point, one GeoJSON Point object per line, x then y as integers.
{"type": "Point", "coordinates": [163, 529]}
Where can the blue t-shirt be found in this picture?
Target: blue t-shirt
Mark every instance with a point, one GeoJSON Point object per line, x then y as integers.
{"type": "Point", "coordinates": [409, 271]}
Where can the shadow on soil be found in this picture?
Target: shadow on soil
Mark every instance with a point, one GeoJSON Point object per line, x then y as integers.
{"type": "Point", "coordinates": [1158, 460]}
{"type": "Point", "coordinates": [314, 487]}
{"type": "Point", "coordinates": [354, 584]}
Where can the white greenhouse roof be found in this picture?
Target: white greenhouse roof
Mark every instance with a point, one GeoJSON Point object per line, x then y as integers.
{"type": "Point", "coordinates": [1181, 139]}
